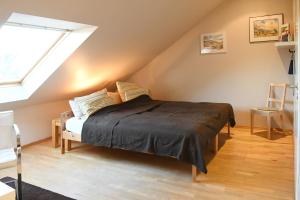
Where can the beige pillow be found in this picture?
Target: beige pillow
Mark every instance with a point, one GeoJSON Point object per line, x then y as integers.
{"type": "Point", "coordinates": [89, 107]}
{"type": "Point", "coordinates": [91, 103]}
{"type": "Point", "coordinates": [130, 88]}
{"type": "Point", "coordinates": [115, 96]}
{"type": "Point", "coordinates": [132, 94]}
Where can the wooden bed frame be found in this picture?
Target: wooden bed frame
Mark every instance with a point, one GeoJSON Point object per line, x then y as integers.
{"type": "Point", "coordinates": [67, 137]}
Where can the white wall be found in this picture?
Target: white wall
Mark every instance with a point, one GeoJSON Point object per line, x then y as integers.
{"type": "Point", "coordinates": [35, 121]}
{"type": "Point", "coordinates": [130, 34]}
{"type": "Point", "coordinates": [240, 76]}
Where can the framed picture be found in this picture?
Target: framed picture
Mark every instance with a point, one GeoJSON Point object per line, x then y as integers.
{"type": "Point", "coordinates": [213, 43]}
{"type": "Point", "coordinates": [285, 33]}
{"type": "Point", "coordinates": [265, 28]}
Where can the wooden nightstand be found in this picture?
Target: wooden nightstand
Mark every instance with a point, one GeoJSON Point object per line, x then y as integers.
{"type": "Point", "coordinates": [55, 132]}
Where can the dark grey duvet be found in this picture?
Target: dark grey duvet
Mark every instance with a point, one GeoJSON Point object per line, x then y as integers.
{"type": "Point", "coordinates": [177, 129]}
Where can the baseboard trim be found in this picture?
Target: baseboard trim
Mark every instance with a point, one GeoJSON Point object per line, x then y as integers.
{"type": "Point", "coordinates": [248, 127]}
{"type": "Point", "coordinates": [36, 142]}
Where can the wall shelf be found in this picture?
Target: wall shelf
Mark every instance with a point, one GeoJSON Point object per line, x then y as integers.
{"type": "Point", "coordinates": [285, 44]}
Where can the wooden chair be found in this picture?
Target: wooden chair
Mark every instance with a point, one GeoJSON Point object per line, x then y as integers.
{"type": "Point", "coordinates": [10, 147]}
{"type": "Point", "coordinates": [271, 110]}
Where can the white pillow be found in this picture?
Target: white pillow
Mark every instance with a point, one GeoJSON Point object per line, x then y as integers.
{"type": "Point", "coordinates": [75, 109]}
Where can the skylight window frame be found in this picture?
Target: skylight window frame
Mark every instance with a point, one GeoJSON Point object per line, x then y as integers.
{"type": "Point", "coordinates": [64, 34]}
{"type": "Point", "coordinates": [78, 34]}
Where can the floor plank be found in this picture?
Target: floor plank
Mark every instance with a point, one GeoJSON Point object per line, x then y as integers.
{"type": "Point", "coordinates": [246, 167]}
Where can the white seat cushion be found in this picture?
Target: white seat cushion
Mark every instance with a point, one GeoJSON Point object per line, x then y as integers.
{"type": "Point", "coordinates": [6, 192]}
{"type": "Point", "coordinates": [8, 158]}
{"type": "Point", "coordinates": [6, 127]}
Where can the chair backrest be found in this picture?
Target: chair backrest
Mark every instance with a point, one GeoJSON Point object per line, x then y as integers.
{"type": "Point", "coordinates": [6, 129]}
{"type": "Point", "coordinates": [271, 100]}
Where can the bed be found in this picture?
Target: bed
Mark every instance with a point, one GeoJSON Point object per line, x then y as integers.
{"type": "Point", "coordinates": [182, 130]}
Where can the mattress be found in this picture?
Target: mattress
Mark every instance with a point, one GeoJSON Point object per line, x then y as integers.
{"type": "Point", "coordinates": [75, 124]}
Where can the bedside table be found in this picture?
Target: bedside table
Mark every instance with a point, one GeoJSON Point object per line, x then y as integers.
{"type": "Point", "coordinates": [6, 192]}
{"type": "Point", "coordinates": [55, 132]}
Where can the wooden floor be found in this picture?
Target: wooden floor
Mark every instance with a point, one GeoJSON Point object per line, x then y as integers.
{"type": "Point", "coordinates": [246, 167]}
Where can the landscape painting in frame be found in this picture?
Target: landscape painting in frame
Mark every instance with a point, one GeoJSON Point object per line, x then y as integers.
{"type": "Point", "coordinates": [213, 43]}
{"type": "Point", "coordinates": [265, 28]}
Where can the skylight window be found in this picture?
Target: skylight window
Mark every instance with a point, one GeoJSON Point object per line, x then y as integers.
{"type": "Point", "coordinates": [22, 47]}
{"type": "Point", "coordinates": [32, 48]}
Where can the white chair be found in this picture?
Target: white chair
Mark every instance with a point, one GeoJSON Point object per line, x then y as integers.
{"type": "Point", "coordinates": [10, 147]}
{"type": "Point", "coordinates": [271, 110]}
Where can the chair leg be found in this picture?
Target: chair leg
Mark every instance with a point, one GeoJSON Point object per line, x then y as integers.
{"type": "Point", "coordinates": [281, 122]}
{"type": "Point", "coordinates": [269, 126]}
{"type": "Point", "coordinates": [19, 172]}
{"type": "Point", "coordinates": [69, 145]}
{"type": "Point", "coordinates": [251, 121]}
{"type": "Point", "coordinates": [63, 146]}
{"type": "Point", "coordinates": [19, 187]}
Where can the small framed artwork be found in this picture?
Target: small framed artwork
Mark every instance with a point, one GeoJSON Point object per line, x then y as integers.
{"type": "Point", "coordinates": [285, 33]}
{"type": "Point", "coordinates": [213, 43]}
{"type": "Point", "coordinates": [265, 28]}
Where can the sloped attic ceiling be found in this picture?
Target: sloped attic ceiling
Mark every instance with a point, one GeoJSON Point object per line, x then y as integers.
{"type": "Point", "coordinates": [130, 34]}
